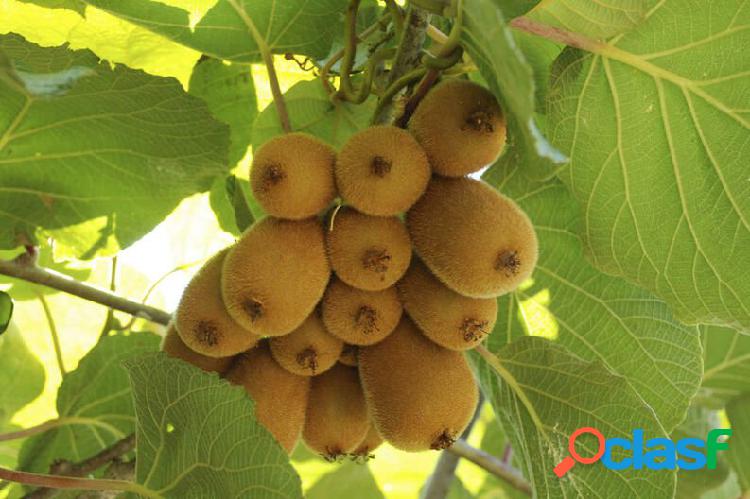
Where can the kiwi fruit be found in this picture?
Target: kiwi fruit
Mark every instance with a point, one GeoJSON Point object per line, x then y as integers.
{"type": "Point", "coordinates": [360, 317]}
{"type": "Point", "coordinates": [173, 346]}
{"type": "Point", "coordinates": [460, 126]}
{"type": "Point", "coordinates": [201, 319]}
{"type": "Point", "coordinates": [280, 396]}
{"type": "Point", "coordinates": [275, 275]}
{"type": "Point", "coordinates": [349, 355]}
{"type": "Point", "coordinates": [292, 176]}
{"type": "Point", "coordinates": [476, 241]}
{"type": "Point", "coordinates": [420, 395]}
{"type": "Point", "coordinates": [367, 252]}
{"type": "Point", "coordinates": [308, 350]}
{"type": "Point", "coordinates": [372, 441]}
{"type": "Point", "coordinates": [449, 319]}
{"type": "Point", "coordinates": [382, 170]}
{"type": "Point", "coordinates": [336, 420]}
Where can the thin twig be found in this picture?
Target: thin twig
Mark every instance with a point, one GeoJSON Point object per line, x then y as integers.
{"type": "Point", "coordinates": [68, 469]}
{"type": "Point", "coordinates": [75, 483]}
{"type": "Point", "coordinates": [407, 59]}
{"type": "Point", "coordinates": [20, 268]}
{"type": "Point", "coordinates": [110, 318]}
{"type": "Point", "coordinates": [492, 464]}
{"type": "Point", "coordinates": [53, 332]}
{"type": "Point", "coordinates": [265, 52]}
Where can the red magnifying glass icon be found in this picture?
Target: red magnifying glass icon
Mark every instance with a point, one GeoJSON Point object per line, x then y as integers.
{"type": "Point", "coordinates": [564, 466]}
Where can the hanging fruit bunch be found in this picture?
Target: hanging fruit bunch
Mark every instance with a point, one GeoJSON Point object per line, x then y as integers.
{"type": "Point", "coordinates": [346, 325]}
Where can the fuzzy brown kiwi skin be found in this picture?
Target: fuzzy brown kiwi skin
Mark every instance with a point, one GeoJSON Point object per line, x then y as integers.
{"type": "Point", "coordinates": [349, 355]}
{"type": "Point", "coordinates": [336, 421]}
{"type": "Point", "coordinates": [461, 127]}
{"type": "Point", "coordinates": [366, 447]}
{"type": "Point", "coordinates": [173, 346]}
{"type": "Point", "coordinates": [275, 274]}
{"type": "Point", "coordinates": [202, 320]}
{"type": "Point", "coordinates": [309, 350]}
{"type": "Point", "coordinates": [360, 317]}
{"type": "Point", "coordinates": [367, 252]}
{"type": "Point", "coordinates": [420, 396]}
{"type": "Point", "coordinates": [381, 171]}
{"type": "Point", "coordinates": [292, 176]}
{"type": "Point", "coordinates": [280, 397]}
{"type": "Point", "coordinates": [451, 320]}
{"type": "Point", "coordinates": [476, 241]}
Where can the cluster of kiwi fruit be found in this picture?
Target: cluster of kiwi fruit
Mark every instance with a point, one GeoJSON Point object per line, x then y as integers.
{"type": "Point", "coordinates": [345, 312]}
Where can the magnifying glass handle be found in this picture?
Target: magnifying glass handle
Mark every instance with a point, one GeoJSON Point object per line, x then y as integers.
{"type": "Point", "coordinates": [564, 466]}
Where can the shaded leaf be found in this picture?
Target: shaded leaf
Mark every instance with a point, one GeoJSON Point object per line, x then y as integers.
{"type": "Point", "coordinates": [563, 393]}
{"type": "Point", "coordinates": [348, 480]}
{"type": "Point", "coordinates": [198, 437]}
{"type": "Point", "coordinates": [656, 126]}
{"type": "Point", "coordinates": [727, 365]}
{"type": "Point", "coordinates": [693, 484]}
{"type": "Point", "coordinates": [94, 401]}
{"type": "Point", "coordinates": [596, 316]}
{"type": "Point", "coordinates": [96, 156]}
{"type": "Point", "coordinates": [490, 43]}
{"type": "Point", "coordinates": [230, 94]}
{"type": "Point", "coordinates": [6, 311]}
{"type": "Point", "coordinates": [311, 110]}
{"type": "Point", "coordinates": [296, 26]}
{"type": "Point", "coordinates": [738, 413]}
{"type": "Point", "coordinates": [233, 203]}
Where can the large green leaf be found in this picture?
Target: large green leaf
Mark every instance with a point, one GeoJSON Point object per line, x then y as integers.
{"type": "Point", "coordinates": [595, 19]}
{"type": "Point", "coordinates": [656, 124]}
{"type": "Point", "coordinates": [76, 5]}
{"type": "Point", "coordinates": [311, 110]}
{"type": "Point", "coordinates": [21, 376]}
{"type": "Point", "coordinates": [738, 412]}
{"type": "Point", "coordinates": [94, 405]}
{"type": "Point", "coordinates": [349, 480]}
{"type": "Point", "coordinates": [727, 365]}
{"type": "Point", "coordinates": [297, 26]}
{"type": "Point", "coordinates": [596, 316]}
{"type": "Point", "coordinates": [545, 395]}
{"type": "Point", "coordinates": [198, 437]}
{"type": "Point", "coordinates": [490, 44]}
{"type": "Point", "coordinates": [230, 94]}
{"type": "Point", "coordinates": [88, 151]}
{"type": "Point", "coordinates": [233, 204]}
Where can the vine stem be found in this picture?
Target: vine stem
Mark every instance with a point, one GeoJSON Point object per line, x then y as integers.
{"type": "Point", "coordinates": [53, 332]}
{"type": "Point", "coordinates": [22, 268]}
{"type": "Point", "coordinates": [555, 34]}
{"type": "Point", "coordinates": [492, 464]}
{"type": "Point", "coordinates": [76, 483]}
{"type": "Point", "coordinates": [265, 52]}
{"type": "Point", "coordinates": [54, 423]}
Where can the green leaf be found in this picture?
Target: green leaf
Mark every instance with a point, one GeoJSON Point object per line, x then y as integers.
{"type": "Point", "coordinates": [349, 480]}
{"type": "Point", "coordinates": [727, 365]}
{"type": "Point", "coordinates": [546, 394]}
{"type": "Point", "coordinates": [22, 375]}
{"type": "Point", "coordinates": [296, 26]}
{"type": "Point", "coordinates": [95, 156]}
{"type": "Point", "coordinates": [230, 94]}
{"type": "Point", "coordinates": [311, 110]}
{"type": "Point", "coordinates": [656, 124]}
{"type": "Point", "coordinates": [94, 405]}
{"type": "Point", "coordinates": [594, 19]}
{"type": "Point", "coordinates": [6, 311]}
{"type": "Point", "coordinates": [76, 5]}
{"type": "Point", "coordinates": [234, 205]}
{"type": "Point", "coordinates": [490, 43]}
{"type": "Point", "coordinates": [693, 484]}
{"type": "Point", "coordinates": [198, 437]}
{"type": "Point", "coordinates": [738, 413]}
{"type": "Point", "coordinates": [596, 316]}
{"type": "Point", "coordinates": [515, 8]}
